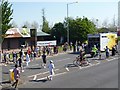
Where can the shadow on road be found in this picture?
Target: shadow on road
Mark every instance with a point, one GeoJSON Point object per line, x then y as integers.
{"type": "Point", "coordinates": [34, 68]}
{"type": "Point", "coordinates": [43, 80]}
{"type": "Point", "coordinates": [74, 53]}
{"type": "Point", "coordinates": [7, 88]}
{"type": "Point", "coordinates": [71, 65]}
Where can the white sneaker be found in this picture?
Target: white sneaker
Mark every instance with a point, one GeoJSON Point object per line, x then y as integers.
{"type": "Point", "coordinates": [22, 70]}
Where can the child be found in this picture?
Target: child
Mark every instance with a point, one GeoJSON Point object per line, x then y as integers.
{"type": "Point", "coordinates": [51, 67]}
{"type": "Point", "coordinates": [16, 75]}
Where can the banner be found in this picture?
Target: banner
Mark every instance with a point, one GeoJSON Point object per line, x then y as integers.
{"type": "Point", "coordinates": [46, 43]}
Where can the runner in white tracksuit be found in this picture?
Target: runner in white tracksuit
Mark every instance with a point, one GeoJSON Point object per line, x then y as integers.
{"type": "Point", "coordinates": [51, 67]}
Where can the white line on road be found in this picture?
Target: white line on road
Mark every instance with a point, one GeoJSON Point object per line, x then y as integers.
{"type": "Point", "coordinates": [53, 75]}
{"type": "Point", "coordinates": [111, 59]}
{"type": "Point", "coordinates": [97, 61]}
{"type": "Point", "coordinates": [67, 68]}
{"type": "Point", "coordinates": [31, 65]}
{"type": "Point", "coordinates": [35, 77]}
{"type": "Point", "coordinates": [62, 59]}
{"type": "Point", "coordinates": [42, 73]}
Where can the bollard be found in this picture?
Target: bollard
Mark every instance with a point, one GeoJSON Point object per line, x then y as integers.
{"type": "Point", "coordinates": [11, 75]}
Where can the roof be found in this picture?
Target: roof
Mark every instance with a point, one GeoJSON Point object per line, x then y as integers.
{"type": "Point", "coordinates": [40, 33]}
{"type": "Point", "coordinates": [13, 33]}
{"type": "Point", "coordinates": [22, 32]}
{"type": "Point", "coordinates": [25, 32]}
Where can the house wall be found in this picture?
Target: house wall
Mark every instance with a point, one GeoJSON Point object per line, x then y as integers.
{"type": "Point", "coordinates": [14, 43]}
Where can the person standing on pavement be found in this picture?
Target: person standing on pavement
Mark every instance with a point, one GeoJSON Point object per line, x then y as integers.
{"type": "Point", "coordinates": [5, 60]}
{"type": "Point", "coordinates": [44, 60]}
{"type": "Point", "coordinates": [107, 52]}
{"type": "Point", "coordinates": [14, 57]}
{"type": "Point", "coordinates": [27, 59]}
{"type": "Point", "coordinates": [113, 51]}
{"type": "Point", "coordinates": [0, 56]}
{"type": "Point", "coordinates": [51, 70]}
{"type": "Point", "coordinates": [16, 75]}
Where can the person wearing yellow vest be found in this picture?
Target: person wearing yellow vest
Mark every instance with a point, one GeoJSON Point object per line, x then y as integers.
{"type": "Point", "coordinates": [94, 51]}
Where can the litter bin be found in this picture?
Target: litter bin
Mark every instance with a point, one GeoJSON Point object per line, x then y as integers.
{"type": "Point", "coordinates": [11, 75]}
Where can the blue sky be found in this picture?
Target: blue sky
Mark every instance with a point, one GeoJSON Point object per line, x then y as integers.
{"type": "Point", "coordinates": [57, 11]}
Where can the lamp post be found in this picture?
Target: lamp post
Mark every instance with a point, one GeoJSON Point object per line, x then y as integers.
{"type": "Point", "coordinates": [68, 21]}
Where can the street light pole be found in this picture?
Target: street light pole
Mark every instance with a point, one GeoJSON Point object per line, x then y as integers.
{"type": "Point", "coordinates": [67, 26]}
{"type": "Point", "coordinates": [68, 21]}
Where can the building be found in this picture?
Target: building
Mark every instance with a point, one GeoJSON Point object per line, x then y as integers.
{"type": "Point", "coordinates": [17, 38]}
{"type": "Point", "coordinates": [118, 29]}
{"type": "Point", "coordinates": [119, 14]}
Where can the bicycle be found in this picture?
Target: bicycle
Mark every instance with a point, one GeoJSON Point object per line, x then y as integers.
{"type": "Point", "coordinates": [77, 61]}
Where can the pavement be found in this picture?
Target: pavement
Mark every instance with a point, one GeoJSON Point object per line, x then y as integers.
{"type": "Point", "coordinates": [5, 74]}
{"type": "Point", "coordinates": [41, 76]}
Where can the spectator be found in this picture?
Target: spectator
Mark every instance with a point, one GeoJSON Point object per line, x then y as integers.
{"type": "Point", "coordinates": [27, 59]}
{"type": "Point", "coordinates": [14, 57]}
{"type": "Point", "coordinates": [71, 44]}
{"type": "Point", "coordinates": [5, 57]}
{"type": "Point", "coordinates": [107, 52]}
{"type": "Point", "coordinates": [16, 75]}
{"type": "Point", "coordinates": [0, 56]}
{"type": "Point", "coordinates": [44, 60]}
{"type": "Point", "coordinates": [113, 51]}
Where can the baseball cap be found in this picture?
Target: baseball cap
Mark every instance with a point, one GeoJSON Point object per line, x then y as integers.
{"type": "Point", "coordinates": [51, 61]}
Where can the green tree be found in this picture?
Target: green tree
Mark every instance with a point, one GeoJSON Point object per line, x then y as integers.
{"type": "Point", "coordinates": [59, 32]}
{"type": "Point", "coordinates": [79, 28]}
{"type": "Point", "coordinates": [45, 25]}
{"type": "Point", "coordinates": [7, 12]}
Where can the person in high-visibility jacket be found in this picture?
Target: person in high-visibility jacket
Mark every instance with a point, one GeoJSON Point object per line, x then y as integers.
{"type": "Point", "coordinates": [94, 50]}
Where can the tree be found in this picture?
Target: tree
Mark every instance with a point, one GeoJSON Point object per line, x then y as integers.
{"type": "Point", "coordinates": [45, 25]}
{"type": "Point", "coordinates": [59, 32]}
{"type": "Point", "coordinates": [34, 25]}
{"type": "Point", "coordinates": [26, 25]}
{"type": "Point", "coordinates": [7, 12]}
{"type": "Point", "coordinates": [14, 25]}
{"type": "Point", "coordinates": [105, 23]}
{"type": "Point", "coordinates": [79, 28]}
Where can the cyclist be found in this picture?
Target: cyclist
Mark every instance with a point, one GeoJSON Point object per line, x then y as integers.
{"type": "Point", "coordinates": [82, 57]}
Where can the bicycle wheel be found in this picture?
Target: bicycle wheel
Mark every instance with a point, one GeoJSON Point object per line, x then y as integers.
{"type": "Point", "coordinates": [78, 63]}
{"type": "Point", "coordinates": [74, 62]}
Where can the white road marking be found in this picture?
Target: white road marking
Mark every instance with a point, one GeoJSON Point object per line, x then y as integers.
{"type": "Point", "coordinates": [34, 65]}
{"type": "Point", "coordinates": [79, 67]}
{"type": "Point", "coordinates": [41, 73]}
{"type": "Point", "coordinates": [62, 59]}
{"type": "Point", "coordinates": [67, 68]}
{"type": "Point", "coordinates": [111, 59]}
{"type": "Point", "coordinates": [31, 65]}
{"type": "Point", "coordinates": [35, 77]}
{"type": "Point", "coordinates": [53, 75]}
{"type": "Point", "coordinates": [97, 61]}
